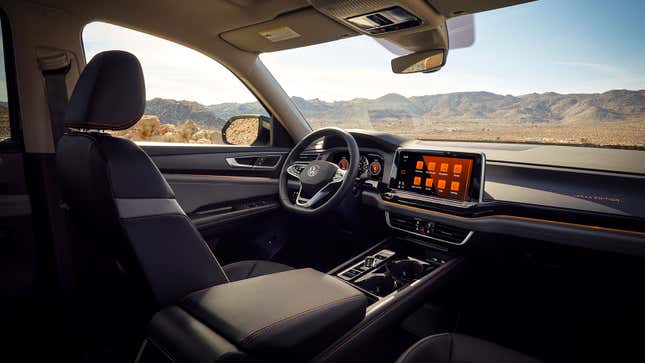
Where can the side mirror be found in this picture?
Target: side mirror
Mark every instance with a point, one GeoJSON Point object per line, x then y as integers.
{"type": "Point", "coordinates": [251, 130]}
{"type": "Point", "coordinates": [426, 61]}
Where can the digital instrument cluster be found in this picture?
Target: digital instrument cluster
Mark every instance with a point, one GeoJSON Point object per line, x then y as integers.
{"type": "Point", "coordinates": [370, 165]}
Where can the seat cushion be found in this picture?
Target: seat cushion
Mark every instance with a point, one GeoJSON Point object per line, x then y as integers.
{"type": "Point", "coordinates": [246, 269]}
{"type": "Point", "coordinates": [457, 348]}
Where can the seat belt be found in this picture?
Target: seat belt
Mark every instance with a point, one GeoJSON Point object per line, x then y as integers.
{"type": "Point", "coordinates": [55, 69]}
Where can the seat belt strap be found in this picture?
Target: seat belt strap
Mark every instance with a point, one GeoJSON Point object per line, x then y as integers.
{"type": "Point", "coordinates": [55, 69]}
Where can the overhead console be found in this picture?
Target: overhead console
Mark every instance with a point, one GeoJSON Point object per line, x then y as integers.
{"type": "Point", "coordinates": [386, 20]}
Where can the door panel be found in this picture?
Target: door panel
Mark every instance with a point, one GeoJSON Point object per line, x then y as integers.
{"type": "Point", "coordinates": [215, 180]}
{"type": "Point", "coordinates": [230, 194]}
{"type": "Point", "coordinates": [213, 199]}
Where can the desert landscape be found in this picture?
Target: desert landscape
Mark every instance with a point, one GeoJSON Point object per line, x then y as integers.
{"type": "Point", "coordinates": [611, 119]}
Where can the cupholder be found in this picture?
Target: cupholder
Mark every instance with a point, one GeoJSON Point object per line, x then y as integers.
{"type": "Point", "coordinates": [405, 269]}
{"type": "Point", "coordinates": [380, 284]}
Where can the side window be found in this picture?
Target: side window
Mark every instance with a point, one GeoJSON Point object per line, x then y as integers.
{"type": "Point", "coordinates": [190, 97]}
{"type": "Point", "coordinates": [5, 125]}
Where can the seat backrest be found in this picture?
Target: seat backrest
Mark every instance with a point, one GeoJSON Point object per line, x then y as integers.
{"type": "Point", "coordinates": [117, 193]}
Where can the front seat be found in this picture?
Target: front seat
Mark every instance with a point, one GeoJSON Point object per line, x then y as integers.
{"type": "Point", "coordinates": [458, 348]}
{"type": "Point", "coordinates": [119, 197]}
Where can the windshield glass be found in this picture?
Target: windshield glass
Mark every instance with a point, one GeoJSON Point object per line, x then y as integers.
{"type": "Point", "coordinates": [551, 71]}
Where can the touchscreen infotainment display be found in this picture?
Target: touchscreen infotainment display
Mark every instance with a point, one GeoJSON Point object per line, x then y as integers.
{"type": "Point", "coordinates": [434, 175]}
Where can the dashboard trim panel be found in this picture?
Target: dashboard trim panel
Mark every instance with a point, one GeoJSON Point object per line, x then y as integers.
{"type": "Point", "coordinates": [506, 216]}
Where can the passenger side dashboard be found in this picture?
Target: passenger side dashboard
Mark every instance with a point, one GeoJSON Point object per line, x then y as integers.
{"type": "Point", "coordinates": [554, 202]}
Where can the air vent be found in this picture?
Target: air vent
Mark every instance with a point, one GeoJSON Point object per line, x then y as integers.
{"type": "Point", "coordinates": [402, 222]}
{"type": "Point", "coordinates": [450, 233]}
{"type": "Point", "coordinates": [425, 228]}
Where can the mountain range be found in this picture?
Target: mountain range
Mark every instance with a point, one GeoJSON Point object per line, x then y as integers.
{"type": "Point", "coordinates": [394, 108]}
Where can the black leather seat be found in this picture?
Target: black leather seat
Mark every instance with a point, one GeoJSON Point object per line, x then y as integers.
{"type": "Point", "coordinates": [119, 198]}
{"type": "Point", "coordinates": [457, 348]}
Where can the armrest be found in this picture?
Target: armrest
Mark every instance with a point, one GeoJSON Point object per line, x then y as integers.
{"type": "Point", "coordinates": [298, 312]}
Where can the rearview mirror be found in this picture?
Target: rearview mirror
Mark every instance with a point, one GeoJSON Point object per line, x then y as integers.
{"type": "Point", "coordinates": [426, 61]}
{"type": "Point", "coordinates": [247, 130]}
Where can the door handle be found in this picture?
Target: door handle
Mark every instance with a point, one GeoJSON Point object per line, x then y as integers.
{"type": "Point", "coordinates": [258, 162]}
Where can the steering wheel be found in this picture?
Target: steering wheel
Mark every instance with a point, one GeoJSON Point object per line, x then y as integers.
{"type": "Point", "coordinates": [318, 178]}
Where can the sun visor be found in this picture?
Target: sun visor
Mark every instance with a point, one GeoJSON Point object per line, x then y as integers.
{"type": "Point", "coordinates": [292, 30]}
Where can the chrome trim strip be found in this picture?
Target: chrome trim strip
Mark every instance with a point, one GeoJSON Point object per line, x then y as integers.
{"type": "Point", "coordinates": [233, 163]}
{"type": "Point", "coordinates": [438, 200]}
{"type": "Point", "coordinates": [393, 171]}
{"type": "Point", "coordinates": [142, 207]}
{"type": "Point", "coordinates": [470, 233]}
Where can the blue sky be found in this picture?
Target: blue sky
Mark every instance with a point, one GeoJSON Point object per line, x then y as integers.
{"type": "Point", "coordinates": [550, 45]}
{"type": "Point", "coordinates": [562, 46]}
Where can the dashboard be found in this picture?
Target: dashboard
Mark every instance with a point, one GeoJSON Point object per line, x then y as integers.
{"type": "Point", "coordinates": [454, 193]}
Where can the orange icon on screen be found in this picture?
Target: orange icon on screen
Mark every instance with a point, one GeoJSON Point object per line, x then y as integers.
{"type": "Point", "coordinates": [457, 169]}
{"type": "Point", "coordinates": [431, 166]}
{"type": "Point", "coordinates": [454, 186]}
{"type": "Point", "coordinates": [444, 168]}
{"type": "Point", "coordinates": [417, 180]}
{"type": "Point", "coordinates": [429, 183]}
{"type": "Point", "coordinates": [441, 184]}
{"type": "Point", "coordinates": [419, 165]}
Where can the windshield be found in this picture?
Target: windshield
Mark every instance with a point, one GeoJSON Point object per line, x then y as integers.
{"type": "Point", "coordinates": [551, 71]}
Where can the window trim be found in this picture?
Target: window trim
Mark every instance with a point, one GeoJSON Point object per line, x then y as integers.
{"type": "Point", "coordinates": [274, 119]}
{"type": "Point", "coordinates": [15, 142]}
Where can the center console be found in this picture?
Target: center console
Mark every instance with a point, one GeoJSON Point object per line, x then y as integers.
{"type": "Point", "coordinates": [391, 267]}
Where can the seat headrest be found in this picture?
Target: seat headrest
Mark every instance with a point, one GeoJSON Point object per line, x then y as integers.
{"type": "Point", "coordinates": [110, 93]}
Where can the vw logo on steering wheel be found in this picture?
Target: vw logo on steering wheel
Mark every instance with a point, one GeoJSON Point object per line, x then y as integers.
{"type": "Point", "coordinates": [313, 170]}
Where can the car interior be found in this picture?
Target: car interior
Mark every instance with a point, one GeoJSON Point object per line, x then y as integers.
{"type": "Point", "coordinates": [300, 244]}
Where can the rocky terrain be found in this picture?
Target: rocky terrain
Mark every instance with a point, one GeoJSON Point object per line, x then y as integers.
{"type": "Point", "coordinates": [177, 112]}
{"type": "Point", "coordinates": [5, 128]}
{"type": "Point", "coordinates": [150, 128]}
{"type": "Point", "coordinates": [613, 118]}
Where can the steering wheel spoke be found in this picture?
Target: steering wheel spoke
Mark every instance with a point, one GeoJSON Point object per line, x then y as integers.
{"type": "Point", "coordinates": [295, 170]}
{"type": "Point", "coordinates": [339, 176]}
